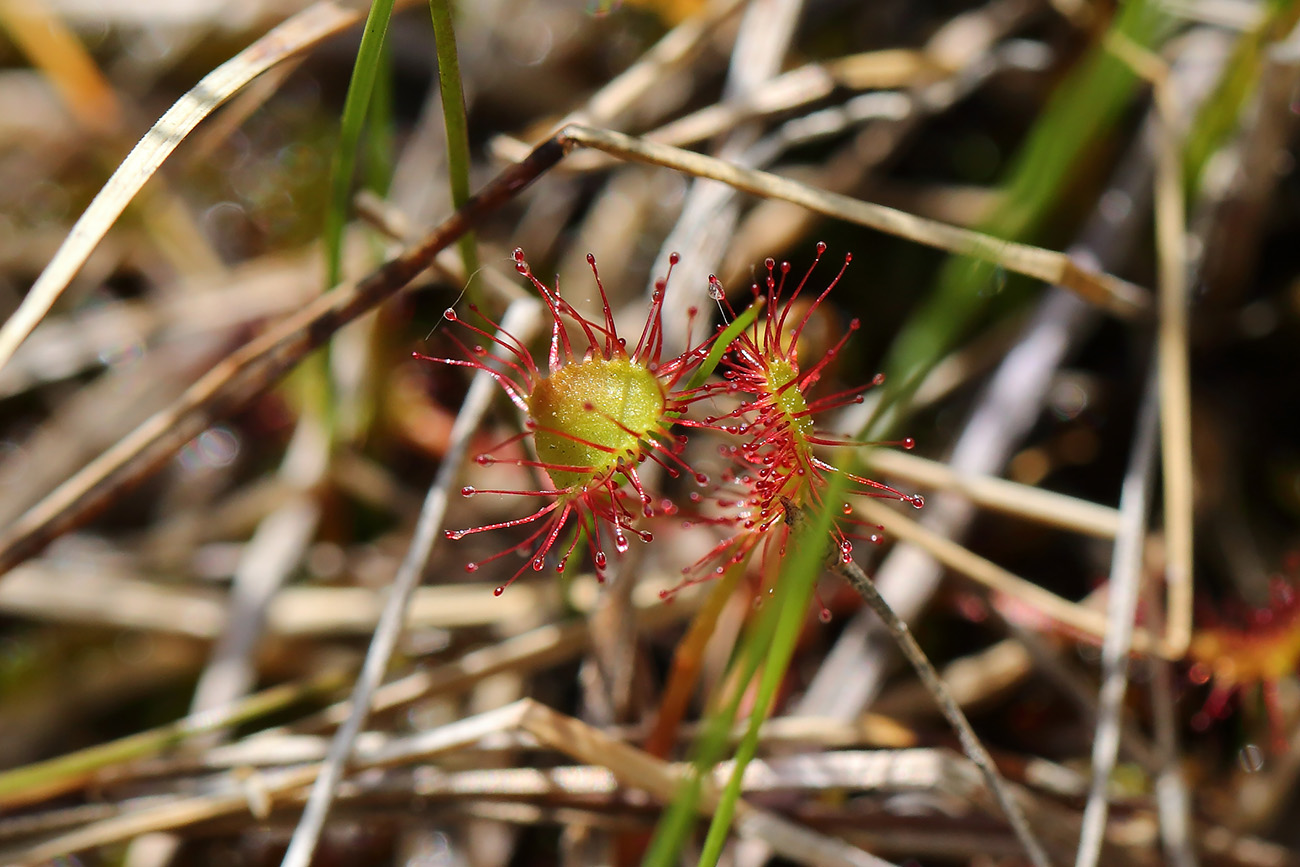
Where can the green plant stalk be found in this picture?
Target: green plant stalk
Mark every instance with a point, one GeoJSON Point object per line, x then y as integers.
{"type": "Point", "coordinates": [1083, 110]}
{"type": "Point", "coordinates": [680, 818]}
{"type": "Point", "coordinates": [453, 118]}
{"type": "Point", "coordinates": [311, 383]}
{"type": "Point", "coordinates": [790, 605]}
{"type": "Point", "coordinates": [378, 141]}
{"type": "Point", "coordinates": [1218, 118]}
{"type": "Point", "coordinates": [61, 774]}
{"type": "Point", "coordinates": [355, 105]}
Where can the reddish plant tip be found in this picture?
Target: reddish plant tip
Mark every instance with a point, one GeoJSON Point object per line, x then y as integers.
{"type": "Point", "coordinates": [1254, 651]}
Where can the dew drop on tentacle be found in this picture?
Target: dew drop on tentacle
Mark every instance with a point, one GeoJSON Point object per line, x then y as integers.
{"type": "Point", "coordinates": [449, 315]}
{"type": "Point", "coordinates": [846, 552]}
{"type": "Point", "coordinates": [716, 292]}
{"type": "Point", "coordinates": [539, 563]}
{"type": "Point", "coordinates": [621, 543]}
{"type": "Point", "coordinates": [600, 559]}
{"type": "Point", "coordinates": [821, 247]}
{"type": "Point", "coordinates": [824, 615]}
{"type": "Point", "coordinates": [917, 501]}
{"type": "Point", "coordinates": [471, 567]}
{"type": "Point", "coordinates": [454, 534]}
{"type": "Point", "coordinates": [468, 491]}
{"type": "Point", "coordinates": [499, 590]}
{"type": "Point", "coordinates": [909, 443]}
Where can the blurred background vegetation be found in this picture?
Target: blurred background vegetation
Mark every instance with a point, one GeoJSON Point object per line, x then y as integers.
{"type": "Point", "coordinates": [256, 556]}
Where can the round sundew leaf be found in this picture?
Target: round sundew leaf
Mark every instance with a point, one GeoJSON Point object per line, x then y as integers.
{"type": "Point", "coordinates": [592, 413]}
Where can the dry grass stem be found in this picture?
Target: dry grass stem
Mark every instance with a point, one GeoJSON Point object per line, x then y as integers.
{"type": "Point", "coordinates": [952, 712]}
{"type": "Point", "coordinates": [1026, 501]}
{"type": "Point", "coordinates": [522, 319]}
{"type": "Point", "coordinates": [1116, 296]}
{"type": "Point", "coordinates": [296, 34]}
{"type": "Point", "coordinates": [1122, 599]}
{"type": "Point", "coordinates": [988, 574]}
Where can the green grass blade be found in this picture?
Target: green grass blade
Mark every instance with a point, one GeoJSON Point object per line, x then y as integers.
{"type": "Point", "coordinates": [680, 818]}
{"type": "Point", "coordinates": [378, 142]}
{"type": "Point", "coordinates": [789, 605]}
{"type": "Point", "coordinates": [453, 117]}
{"type": "Point", "coordinates": [1084, 110]}
{"type": "Point", "coordinates": [1219, 117]}
{"type": "Point", "coordinates": [355, 105]}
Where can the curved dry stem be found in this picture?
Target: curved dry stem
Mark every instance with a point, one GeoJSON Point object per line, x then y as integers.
{"type": "Point", "coordinates": [298, 33]}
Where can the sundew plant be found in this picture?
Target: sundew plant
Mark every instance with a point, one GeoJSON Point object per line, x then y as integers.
{"type": "Point", "coordinates": [600, 408]}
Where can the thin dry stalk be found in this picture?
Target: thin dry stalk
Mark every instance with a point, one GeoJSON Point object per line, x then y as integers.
{"type": "Point", "coordinates": [640, 770]}
{"type": "Point", "coordinates": [522, 319]}
{"type": "Point", "coordinates": [995, 578]}
{"type": "Point", "coordinates": [1001, 495]}
{"type": "Point", "coordinates": [236, 792]}
{"type": "Point", "coordinates": [1173, 799]}
{"type": "Point", "coordinates": [1112, 294]}
{"type": "Point", "coordinates": [1125, 582]}
{"type": "Point", "coordinates": [1171, 343]}
{"type": "Point", "coordinates": [952, 712]}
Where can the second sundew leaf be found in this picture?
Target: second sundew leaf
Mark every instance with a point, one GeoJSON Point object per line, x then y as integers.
{"type": "Point", "coordinates": [1083, 110]}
